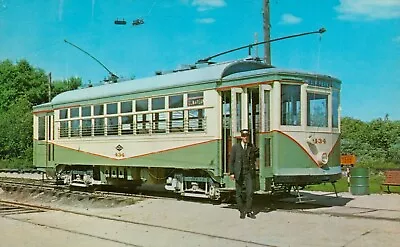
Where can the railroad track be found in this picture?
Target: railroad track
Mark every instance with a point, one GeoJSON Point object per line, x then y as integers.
{"type": "Point", "coordinates": [348, 211]}
{"type": "Point", "coordinates": [50, 186]}
{"type": "Point", "coordinates": [10, 208]}
{"type": "Point", "coordinates": [31, 208]}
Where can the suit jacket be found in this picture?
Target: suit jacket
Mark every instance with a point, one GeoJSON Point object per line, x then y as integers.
{"type": "Point", "coordinates": [238, 156]}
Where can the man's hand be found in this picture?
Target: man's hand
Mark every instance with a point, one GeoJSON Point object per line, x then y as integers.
{"type": "Point", "coordinates": [232, 176]}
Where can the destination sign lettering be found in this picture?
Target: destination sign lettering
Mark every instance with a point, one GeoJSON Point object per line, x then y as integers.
{"type": "Point", "coordinates": [318, 83]}
{"type": "Point", "coordinates": [195, 101]}
{"type": "Point", "coordinates": [322, 83]}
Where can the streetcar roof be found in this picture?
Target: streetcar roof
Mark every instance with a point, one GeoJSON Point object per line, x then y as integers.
{"type": "Point", "coordinates": [210, 73]}
{"type": "Point", "coordinates": [280, 72]}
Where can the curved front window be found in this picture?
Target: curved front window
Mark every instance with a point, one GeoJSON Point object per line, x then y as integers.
{"type": "Point", "coordinates": [335, 108]}
{"type": "Point", "coordinates": [290, 105]}
{"type": "Point", "coordinates": [317, 110]}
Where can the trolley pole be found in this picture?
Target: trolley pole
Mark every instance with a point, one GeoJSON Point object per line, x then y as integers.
{"type": "Point", "coordinates": [267, 27]}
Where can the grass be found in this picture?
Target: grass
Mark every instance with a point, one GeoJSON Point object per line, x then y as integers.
{"type": "Point", "coordinates": [18, 164]}
{"type": "Point", "coordinates": [375, 181]}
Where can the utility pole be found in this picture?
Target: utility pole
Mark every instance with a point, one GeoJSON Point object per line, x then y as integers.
{"type": "Point", "coordinates": [256, 41]}
{"type": "Point", "coordinates": [49, 84]}
{"type": "Point", "coordinates": [267, 27]}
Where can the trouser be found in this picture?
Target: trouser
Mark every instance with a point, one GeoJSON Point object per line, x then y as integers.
{"type": "Point", "coordinates": [244, 192]}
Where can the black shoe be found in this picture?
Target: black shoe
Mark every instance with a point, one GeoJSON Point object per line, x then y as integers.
{"type": "Point", "coordinates": [251, 215]}
{"type": "Point", "coordinates": [242, 215]}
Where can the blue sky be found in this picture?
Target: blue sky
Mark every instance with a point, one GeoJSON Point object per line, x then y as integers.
{"type": "Point", "coordinates": [361, 46]}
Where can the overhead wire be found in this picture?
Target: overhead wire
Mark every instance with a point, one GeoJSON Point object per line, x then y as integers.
{"type": "Point", "coordinates": [151, 8]}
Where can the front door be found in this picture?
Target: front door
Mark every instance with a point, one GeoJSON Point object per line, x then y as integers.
{"type": "Point", "coordinates": [240, 110]}
{"type": "Point", "coordinates": [232, 121]}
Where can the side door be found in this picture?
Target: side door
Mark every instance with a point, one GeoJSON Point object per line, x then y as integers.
{"type": "Point", "coordinates": [265, 140]}
{"type": "Point", "coordinates": [232, 121]}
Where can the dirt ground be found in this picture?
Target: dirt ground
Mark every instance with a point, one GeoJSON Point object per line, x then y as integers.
{"type": "Point", "coordinates": [170, 222]}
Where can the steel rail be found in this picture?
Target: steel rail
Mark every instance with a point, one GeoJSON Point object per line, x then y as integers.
{"type": "Point", "coordinates": [123, 196]}
{"type": "Point", "coordinates": [175, 229]}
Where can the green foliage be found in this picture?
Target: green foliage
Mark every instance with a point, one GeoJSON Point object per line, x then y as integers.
{"type": "Point", "coordinates": [16, 129]}
{"type": "Point", "coordinates": [19, 164]}
{"type": "Point", "coordinates": [21, 87]}
{"type": "Point", "coordinates": [341, 186]}
{"type": "Point", "coordinates": [376, 144]}
{"type": "Point", "coordinates": [21, 80]}
{"type": "Point", "coordinates": [65, 85]}
{"type": "Point", "coordinates": [377, 165]}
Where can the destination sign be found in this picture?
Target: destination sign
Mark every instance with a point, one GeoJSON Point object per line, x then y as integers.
{"type": "Point", "coordinates": [195, 101]}
{"type": "Point", "coordinates": [321, 83]}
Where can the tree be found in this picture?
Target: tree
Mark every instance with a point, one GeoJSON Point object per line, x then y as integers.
{"type": "Point", "coordinates": [16, 130]}
{"type": "Point", "coordinates": [20, 80]}
{"type": "Point", "coordinates": [60, 86]}
{"type": "Point", "coordinates": [21, 87]}
{"type": "Point", "coordinates": [377, 140]}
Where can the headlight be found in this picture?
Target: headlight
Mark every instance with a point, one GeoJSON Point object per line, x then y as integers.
{"type": "Point", "coordinates": [323, 158]}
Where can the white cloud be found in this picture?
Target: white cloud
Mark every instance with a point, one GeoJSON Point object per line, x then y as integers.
{"type": "Point", "coordinates": [368, 9]}
{"type": "Point", "coordinates": [290, 19]}
{"type": "Point", "coordinates": [205, 20]}
{"type": "Point", "coordinates": [203, 5]}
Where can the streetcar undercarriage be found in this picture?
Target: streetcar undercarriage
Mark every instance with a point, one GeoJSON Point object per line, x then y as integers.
{"type": "Point", "coordinates": [188, 183]}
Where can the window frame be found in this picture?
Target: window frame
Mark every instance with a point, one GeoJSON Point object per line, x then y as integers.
{"type": "Point", "coordinates": [299, 112]}
{"type": "Point", "coordinates": [152, 115]}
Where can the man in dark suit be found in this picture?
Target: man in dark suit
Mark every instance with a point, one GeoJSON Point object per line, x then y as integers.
{"type": "Point", "coordinates": [242, 169]}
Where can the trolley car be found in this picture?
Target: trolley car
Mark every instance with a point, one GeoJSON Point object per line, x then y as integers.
{"type": "Point", "coordinates": [177, 129]}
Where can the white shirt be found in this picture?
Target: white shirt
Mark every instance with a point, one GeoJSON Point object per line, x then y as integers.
{"type": "Point", "coordinates": [243, 144]}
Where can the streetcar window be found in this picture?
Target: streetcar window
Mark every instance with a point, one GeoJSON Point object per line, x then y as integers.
{"type": "Point", "coordinates": [266, 110]}
{"type": "Point", "coordinates": [158, 103]}
{"type": "Point", "coordinates": [127, 125]}
{"type": "Point", "coordinates": [176, 101]}
{"type": "Point", "coordinates": [142, 105]}
{"type": "Point", "coordinates": [63, 113]}
{"type": "Point", "coordinates": [196, 120]}
{"type": "Point", "coordinates": [176, 121]}
{"type": "Point", "coordinates": [75, 128]}
{"type": "Point", "coordinates": [335, 108]}
{"type": "Point", "coordinates": [64, 129]}
{"type": "Point", "coordinates": [290, 105]}
{"type": "Point", "coordinates": [159, 122]}
{"type": "Point", "coordinates": [74, 112]}
{"type": "Point", "coordinates": [126, 106]}
{"type": "Point", "coordinates": [195, 99]}
{"type": "Point", "coordinates": [143, 123]}
{"type": "Point", "coordinates": [98, 110]}
{"type": "Point", "coordinates": [112, 126]}
{"type": "Point", "coordinates": [317, 110]}
{"type": "Point", "coordinates": [86, 127]}
{"type": "Point", "coordinates": [226, 110]}
{"type": "Point", "coordinates": [112, 108]}
{"type": "Point", "coordinates": [86, 111]}
{"type": "Point", "coordinates": [42, 128]}
{"type": "Point", "coordinates": [98, 126]}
